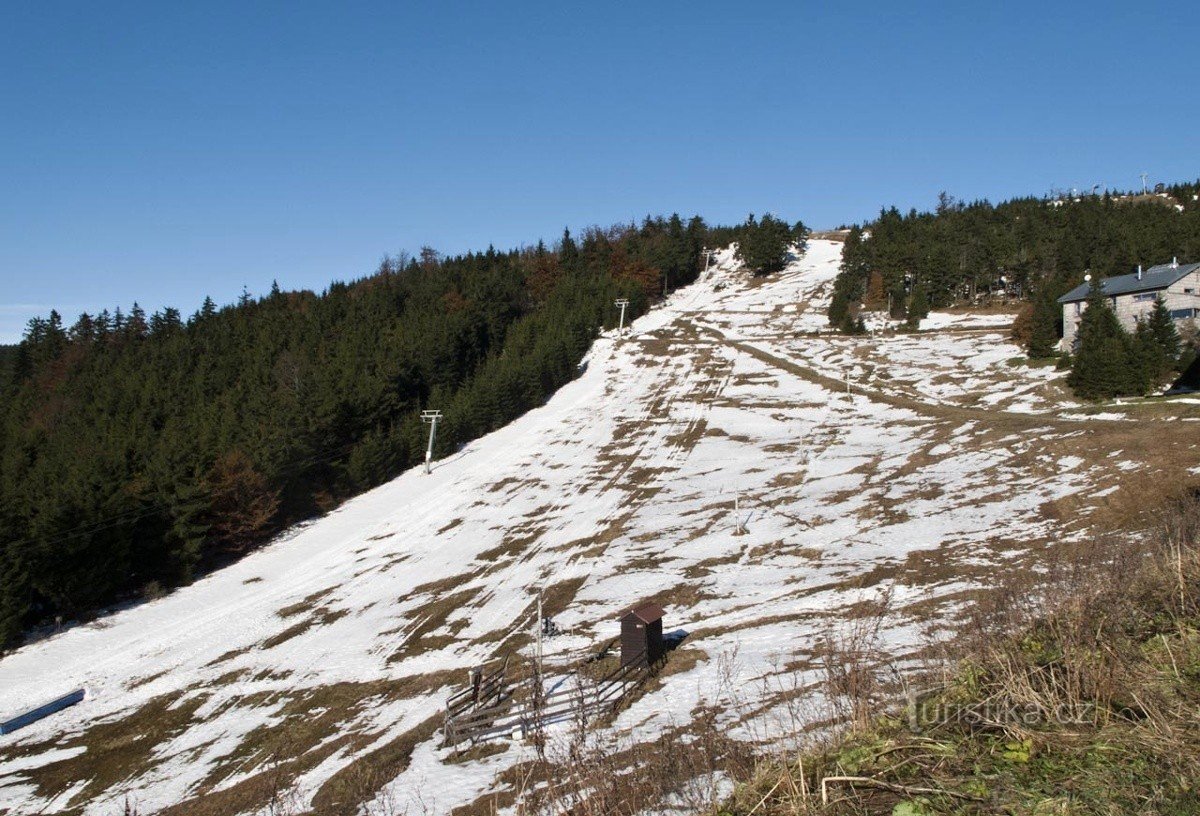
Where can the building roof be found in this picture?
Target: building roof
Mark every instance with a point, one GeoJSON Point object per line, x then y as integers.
{"type": "Point", "coordinates": [646, 613]}
{"type": "Point", "coordinates": [1152, 279]}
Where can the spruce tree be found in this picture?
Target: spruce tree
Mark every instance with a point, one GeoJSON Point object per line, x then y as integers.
{"type": "Point", "coordinates": [568, 252]}
{"type": "Point", "coordinates": [1043, 336]}
{"type": "Point", "coordinates": [839, 309]}
{"type": "Point", "coordinates": [1106, 365]}
{"type": "Point", "coordinates": [1147, 364]}
{"type": "Point", "coordinates": [1166, 336]}
{"type": "Point", "coordinates": [918, 308]}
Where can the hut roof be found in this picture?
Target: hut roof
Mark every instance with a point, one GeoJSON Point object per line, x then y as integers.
{"type": "Point", "coordinates": [1153, 279]}
{"type": "Point", "coordinates": [646, 612]}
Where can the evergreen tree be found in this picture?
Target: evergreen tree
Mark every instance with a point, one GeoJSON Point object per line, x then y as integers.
{"type": "Point", "coordinates": [84, 330]}
{"type": "Point", "coordinates": [103, 325]}
{"type": "Point", "coordinates": [763, 245]}
{"type": "Point", "coordinates": [1166, 336]}
{"type": "Point", "coordinates": [918, 308]}
{"type": "Point", "coordinates": [1148, 365]}
{"type": "Point", "coordinates": [568, 252]}
{"type": "Point", "coordinates": [800, 234]}
{"type": "Point", "coordinates": [839, 309]}
{"type": "Point", "coordinates": [208, 308]}
{"type": "Point", "coordinates": [1107, 364]}
{"type": "Point", "coordinates": [1043, 334]}
{"type": "Point", "coordinates": [136, 327]}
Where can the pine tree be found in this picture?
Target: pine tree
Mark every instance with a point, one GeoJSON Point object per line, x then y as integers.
{"type": "Point", "coordinates": [103, 325]}
{"type": "Point", "coordinates": [839, 309]}
{"type": "Point", "coordinates": [568, 252]}
{"type": "Point", "coordinates": [136, 327]}
{"type": "Point", "coordinates": [800, 234]}
{"type": "Point", "coordinates": [1166, 336]}
{"type": "Point", "coordinates": [1043, 334]}
{"type": "Point", "coordinates": [1149, 366]}
{"type": "Point", "coordinates": [918, 308]}
{"type": "Point", "coordinates": [84, 330]}
{"type": "Point", "coordinates": [1106, 365]}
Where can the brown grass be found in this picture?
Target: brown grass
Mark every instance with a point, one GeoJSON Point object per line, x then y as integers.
{"type": "Point", "coordinates": [320, 617]}
{"type": "Point", "coordinates": [113, 750]}
{"type": "Point", "coordinates": [360, 781]}
{"type": "Point", "coordinates": [305, 605]}
{"type": "Point", "coordinates": [275, 755]}
{"type": "Point", "coordinates": [433, 616]}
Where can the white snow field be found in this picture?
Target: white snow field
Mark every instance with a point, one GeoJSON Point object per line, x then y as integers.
{"type": "Point", "coordinates": [333, 647]}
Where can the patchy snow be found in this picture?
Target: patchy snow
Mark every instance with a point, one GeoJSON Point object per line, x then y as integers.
{"type": "Point", "coordinates": [967, 320]}
{"type": "Point", "coordinates": [621, 487]}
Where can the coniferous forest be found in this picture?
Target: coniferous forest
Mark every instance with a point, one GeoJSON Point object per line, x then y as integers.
{"type": "Point", "coordinates": [1033, 250]}
{"type": "Point", "coordinates": [137, 450]}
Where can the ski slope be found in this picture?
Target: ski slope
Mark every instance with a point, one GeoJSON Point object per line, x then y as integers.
{"type": "Point", "coordinates": [621, 487]}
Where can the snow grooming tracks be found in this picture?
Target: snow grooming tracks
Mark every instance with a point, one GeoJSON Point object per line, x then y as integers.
{"type": "Point", "coordinates": [314, 669]}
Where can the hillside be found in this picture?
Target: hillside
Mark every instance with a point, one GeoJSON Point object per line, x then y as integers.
{"type": "Point", "coordinates": [308, 675]}
{"type": "Point", "coordinates": [138, 451]}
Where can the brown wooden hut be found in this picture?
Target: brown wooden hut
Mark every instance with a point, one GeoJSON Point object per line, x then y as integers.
{"type": "Point", "coordinates": [641, 634]}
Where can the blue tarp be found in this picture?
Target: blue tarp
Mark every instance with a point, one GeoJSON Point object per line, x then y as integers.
{"type": "Point", "coordinates": [35, 714]}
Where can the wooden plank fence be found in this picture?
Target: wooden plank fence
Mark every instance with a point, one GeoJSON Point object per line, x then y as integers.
{"type": "Point", "coordinates": [500, 712]}
{"type": "Point", "coordinates": [485, 690]}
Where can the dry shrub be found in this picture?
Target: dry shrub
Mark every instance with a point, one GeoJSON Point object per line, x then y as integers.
{"type": "Point", "coordinates": [1072, 689]}
{"type": "Point", "coordinates": [856, 676]}
{"type": "Point", "coordinates": [1070, 644]}
{"type": "Point", "coordinates": [593, 774]}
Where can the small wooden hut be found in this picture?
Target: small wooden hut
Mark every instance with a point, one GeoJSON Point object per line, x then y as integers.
{"type": "Point", "coordinates": [642, 634]}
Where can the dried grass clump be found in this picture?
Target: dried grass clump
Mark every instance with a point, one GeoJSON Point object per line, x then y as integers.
{"type": "Point", "coordinates": [1075, 690]}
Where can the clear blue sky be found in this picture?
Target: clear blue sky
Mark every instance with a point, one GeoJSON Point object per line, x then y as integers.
{"type": "Point", "coordinates": [160, 153]}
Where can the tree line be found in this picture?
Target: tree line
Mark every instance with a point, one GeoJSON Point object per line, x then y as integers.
{"type": "Point", "coordinates": [138, 450]}
{"type": "Point", "coordinates": [1030, 249]}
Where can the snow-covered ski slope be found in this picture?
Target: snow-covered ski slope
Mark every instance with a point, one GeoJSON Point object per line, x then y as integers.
{"type": "Point", "coordinates": [333, 647]}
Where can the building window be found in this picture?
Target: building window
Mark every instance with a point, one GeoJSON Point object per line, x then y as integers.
{"type": "Point", "coordinates": [1078, 308]}
{"type": "Point", "coordinates": [1189, 291]}
{"type": "Point", "coordinates": [1184, 314]}
{"type": "Point", "coordinates": [1145, 297]}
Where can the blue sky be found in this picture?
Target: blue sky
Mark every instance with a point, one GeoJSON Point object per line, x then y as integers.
{"type": "Point", "coordinates": [159, 153]}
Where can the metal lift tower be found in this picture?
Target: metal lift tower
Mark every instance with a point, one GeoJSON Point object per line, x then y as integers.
{"type": "Point", "coordinates": [432, 418]}
{"type": "Point", "coordinates": [622, 303]}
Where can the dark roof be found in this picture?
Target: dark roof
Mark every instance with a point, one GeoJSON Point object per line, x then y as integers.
{"type": "Point", "coordinates": [1153, 279]}
{"type": "Point", "coordinates": [646, 613]}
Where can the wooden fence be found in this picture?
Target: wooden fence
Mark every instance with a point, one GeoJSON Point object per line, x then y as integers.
{"type": "Point", "coordinates": [507, 708]}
